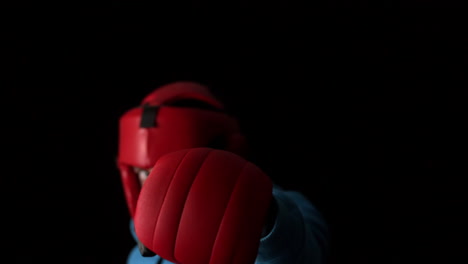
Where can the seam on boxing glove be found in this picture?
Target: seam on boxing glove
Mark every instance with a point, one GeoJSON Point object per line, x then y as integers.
{"type": "Point", "coordinates": [165, 195]}
{"type": "Point", "coordinates": [225, 209]}
{"type": "Point", "coordinates": [186, 197]}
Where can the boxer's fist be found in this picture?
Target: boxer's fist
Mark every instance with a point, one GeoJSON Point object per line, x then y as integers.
{"type": "Point", "coordinates": [203, 206]}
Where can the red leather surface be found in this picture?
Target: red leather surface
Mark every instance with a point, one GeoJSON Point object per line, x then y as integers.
{"type": "Point", "coordinates": [177, 128]}
{"type": "Point", "coordinates": [203, 206]}
{"type": "Point", "coordinates": [181, 90]}
{"type": "Point", "coordinates": [132, 187]}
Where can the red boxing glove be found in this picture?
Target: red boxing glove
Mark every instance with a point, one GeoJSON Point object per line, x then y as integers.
{"type": "Point", "coordinates": [203, 206]}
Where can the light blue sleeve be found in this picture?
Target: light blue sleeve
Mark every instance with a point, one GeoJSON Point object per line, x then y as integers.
{"type": "Point", "coordinates": [300, 234]}
{"type": "Point", "coordinates": [135, 257]}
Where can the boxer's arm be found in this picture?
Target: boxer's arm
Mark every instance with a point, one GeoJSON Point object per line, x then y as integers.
{"type": "Point", "coordinates": [299, 234]}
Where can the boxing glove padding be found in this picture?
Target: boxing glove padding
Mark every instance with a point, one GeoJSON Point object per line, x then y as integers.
{"type": "Point", "coordinates": [203, 206]}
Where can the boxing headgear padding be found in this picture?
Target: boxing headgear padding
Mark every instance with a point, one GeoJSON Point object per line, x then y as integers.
{"type": "Point", "coordinates": [203, 206]}
{"type": "Point", "coordinates": [181, 90]}
{"type": "Point", "coordinates": [174, 128]}
{"type": "Point", "coordinates": [132, 186]}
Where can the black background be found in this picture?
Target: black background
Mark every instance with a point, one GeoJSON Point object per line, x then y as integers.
{"type": "Point", "coordinates": [360, 106]}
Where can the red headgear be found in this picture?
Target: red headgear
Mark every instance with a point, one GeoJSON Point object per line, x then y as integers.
{"type": "Point", "coordinates": [175, 116]}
